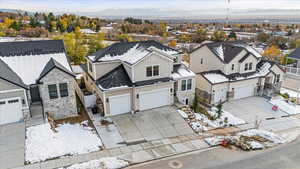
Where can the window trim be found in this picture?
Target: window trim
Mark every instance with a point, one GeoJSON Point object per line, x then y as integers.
{"type": "Point", "coordinates": [277, 78]}
{"type": "Point", "coordinates": [183, 85]}
{"type": "Point", "coordinates": [56, 91]}
{"type": "Point", "coordinates": [246, 67]}
{"type": "Point", "coordinates": [153, 73]}
{"type": "Point", "coordinates": [250, 66]}
{"type": "Point", "coordinates": [62, 91]}
{"type": "Point", "coordinates": [149, 71]}
{"type": "Point", "coordinates": [189, 86]}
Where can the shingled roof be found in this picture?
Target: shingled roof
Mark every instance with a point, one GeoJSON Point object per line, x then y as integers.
{"type": "Point", "coordinates": [225, 51]}
{"type": "Point", "coordinates": [295, 54]}
{"type": "Point", "coordinates": [51, 65]}
{"type": "Point", "coordinates": [118, 77]}
{"type": "Point", "coordinates": [7, 74]}
{"type": "Point", "coordinates": [121, 48]}
{"type": "Point", "coordinates": [23, 48]}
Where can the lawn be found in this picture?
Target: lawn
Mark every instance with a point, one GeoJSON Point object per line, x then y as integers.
{"type": "Point", "coordinates": [42, 143]}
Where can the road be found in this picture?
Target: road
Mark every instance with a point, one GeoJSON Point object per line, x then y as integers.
{"type": "Point", "coordinates": [282, 157]}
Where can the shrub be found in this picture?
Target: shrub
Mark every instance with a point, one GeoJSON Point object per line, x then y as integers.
{"type": "Point", "coordinates": [219, 111]}
{"type": "Point", "coordinates": [285, 95]}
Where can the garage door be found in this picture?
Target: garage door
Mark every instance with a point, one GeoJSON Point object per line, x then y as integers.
{"type": "Point", "coordinates": [244, 91]}
{"type": "Point", "coordinates": [10, 110]}
{"type": "Point", "coordinates": [119, 104]}
{"type": "Point", "coordinates": [220, 95]}
{"type": "Point", "coordinates": [155, 98]}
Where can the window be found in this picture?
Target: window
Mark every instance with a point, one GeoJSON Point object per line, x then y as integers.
{"type": "Point", "coordinates": [13, 101]}
{"type": "Point", "coordinates": [201, 61]}
{"type": "Point", "coordinates": [52, 91]}
{"type": "Point", "coordinates": [63, 89]}
{"type": "Point", "coordinates": [152, 71]}
{"type": "Point", "coordinates": [232, 67]}
{"type": "Point", "coordinates": [277, 78]}
{"type": "Point", "coordinates": [149, 71]}
{"type": "Point", "coordinates": [250, 66]}
{"type": "Point", "coordinates": [155, 70]}
{"type": "Point", "coordinates": [246, 67]}
{"type": "Point", "coordinates": [2, 102]}
{"type": "Point", "coordinates": [189, 84]}
{"type": "Point", "coordinates": [90, 67]}
{"type": "Point", "coordinates": [183, 85]}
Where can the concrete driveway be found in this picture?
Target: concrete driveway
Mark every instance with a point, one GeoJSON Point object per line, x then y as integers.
{"type": "Point", "coordinates": [12, 145]}
{"type": "Point", "coordinates": [252, 108]}
{"type": "Point", "coordinates": [152, 124]}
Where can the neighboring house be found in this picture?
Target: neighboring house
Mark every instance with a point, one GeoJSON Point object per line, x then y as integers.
{"type": "Point", "coordinates": [136, 76]}
{"type": "Point", "coordinates": [35, 73]}
{"type": "Point", "coordinates": [233, 70]}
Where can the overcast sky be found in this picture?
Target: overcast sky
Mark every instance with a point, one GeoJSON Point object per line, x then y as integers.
{"type": "Point", "coordinates": [96, 5]}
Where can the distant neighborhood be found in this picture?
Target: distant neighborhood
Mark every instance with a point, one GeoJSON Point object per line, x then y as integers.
{"type": "Point", "coordinates": [83, 92]}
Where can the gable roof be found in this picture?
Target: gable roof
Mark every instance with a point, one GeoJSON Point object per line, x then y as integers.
{"type": "Point", "coordinates": [50, 66]}
{"type": "Point", "coordinates": [130, 52]}
{"type": "Point", "coordinates": [116, 78]}
{"type": "Point", "coordinates": [29, 63]}
{"type": "Point", "coordinates": [7, 74]}
{"type": "Point", "coordinates": [23, 48]}
{"type": "Point", "coordinates": [295, 54]}
{"type": "Point", "coordinates": [227, 51]}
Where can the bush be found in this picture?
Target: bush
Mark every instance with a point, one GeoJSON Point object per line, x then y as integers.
{"type": "Point", "coordinates": [219, 112]}
{"type": "Point", "coordinates": [285, 95]}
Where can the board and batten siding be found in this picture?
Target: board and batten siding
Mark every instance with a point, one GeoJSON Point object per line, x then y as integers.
{"type": "Point", "coordinates": [165, 67]}
{"type": "Point", "coordinates": [210, 61]}
{"type": "Point", "coordinates": [104, 67]}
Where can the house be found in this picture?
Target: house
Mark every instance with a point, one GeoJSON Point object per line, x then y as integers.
{"type": "Point", "coordinates": [136, 76]}
{"type": "Point", "coordinates": [233, 70]}
{"type": "Point", "coordinates": [35, 73]}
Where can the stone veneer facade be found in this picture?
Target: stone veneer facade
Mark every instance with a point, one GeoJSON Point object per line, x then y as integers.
{"type": "Point", "coordinates": [61, 107]}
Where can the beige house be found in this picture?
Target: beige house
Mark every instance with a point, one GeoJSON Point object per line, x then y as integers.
{"type": "Point", "coordinates": [136, 76]}
{"type": "Point", "coordinates": [230, 70]}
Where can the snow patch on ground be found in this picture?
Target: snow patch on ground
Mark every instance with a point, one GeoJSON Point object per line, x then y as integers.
{"type": "Point", "coordinates": [265, 134]}
{"type": "Point", "coordinates": [103, 163]}
{"type": "Point", "coordinates": [183, 114]}
{"type": "Point", "coordinates": [291, 93]}
{"type": "Point", "coordinates": [286, 106]}
{"type": "Point", "coordinates": [42, 143]}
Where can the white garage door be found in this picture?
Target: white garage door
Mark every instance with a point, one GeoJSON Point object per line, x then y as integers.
{"type": "Point", "coordinates": [119, 104]}
{"type": "Point", "coordinates": [244, 91]}
{"type": "Point", "coordinates": [154, 98]}
{"type": "Point", "coordinates": [220, 95]}
{"type": "Point", "coordinates": [10, 110]}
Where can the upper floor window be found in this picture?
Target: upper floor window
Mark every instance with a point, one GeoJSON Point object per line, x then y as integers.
{"type": "Point", "coordinates": [52, 91]}
{"type": "Point", "coordinates": [201, 61]}
{"type": "Point", "coordinates": [246, 67]}
{"type": "Point", "coordinates": [232, 67]}
{"type": "Point", "coordinates": [90, 67]}
{"type": "Point", "coordinates": [152, 71]}
{"type": "Point", "coordinates": [149, 71]}
{"type": "Point", "coordinates": [63, 89]}
{"type": "Point", "coordinates": [250, 66]}
{"type": "Point", "coordinates": [155, 70]}
{"type": "Point", "coordinates": [186, 85]}
{"type": "Point", "coordinates": [277, 80]}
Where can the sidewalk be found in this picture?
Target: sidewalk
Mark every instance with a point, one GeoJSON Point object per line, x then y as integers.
{"type": "Point", "coordinates": [134, 154]}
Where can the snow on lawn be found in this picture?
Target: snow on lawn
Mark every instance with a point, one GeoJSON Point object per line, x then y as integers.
{"type": "Point", "coordinates": [182, 114]}
{"type": "Point", "coordinates": [42, 143]}
{"type": "Point", "coordinates": [103, 163]}
{"type": "Point", "coordinates": [226, 119]}
{"type": "Point", "coordinates": [272, 137]}
{"type": "Point", "coordinates": [285, 106]}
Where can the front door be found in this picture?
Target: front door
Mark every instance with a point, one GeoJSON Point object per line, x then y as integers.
{"type": "Point", "coordinates": [35, 94]}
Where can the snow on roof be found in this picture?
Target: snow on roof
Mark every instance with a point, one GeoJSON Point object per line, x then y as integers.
{"type": "Point", "coordinates": [219, 51]}
{"type": "Point", "coordinates": [216, 78]}
{"type": "Point", "coordinates": [182, 72]}
{"type": "Point", "coordinates": [264, 69]}
{"type": "Point", "coordinates": [87, 31]}
{"type": "Point", "coordinates": [250, 49]}
{"type": "Point", "coordinates": [29, 67]}
{"type": "Point", "coordinates": [131, 56]}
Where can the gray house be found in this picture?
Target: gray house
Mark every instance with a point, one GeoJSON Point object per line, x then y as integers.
{"type": "Point", "coordinates": [35, 74]}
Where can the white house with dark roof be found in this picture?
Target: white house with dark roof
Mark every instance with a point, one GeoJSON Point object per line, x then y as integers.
{"type": "Point", "coordinates": [233, 70]}
{"type": "Point", "coordinates": [35, 73]}
{"type": "Point", "coordinates": [136, 76]}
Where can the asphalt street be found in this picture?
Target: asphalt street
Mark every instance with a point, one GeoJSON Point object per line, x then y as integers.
{"type": "Point", "coordinates": [282, 157]}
